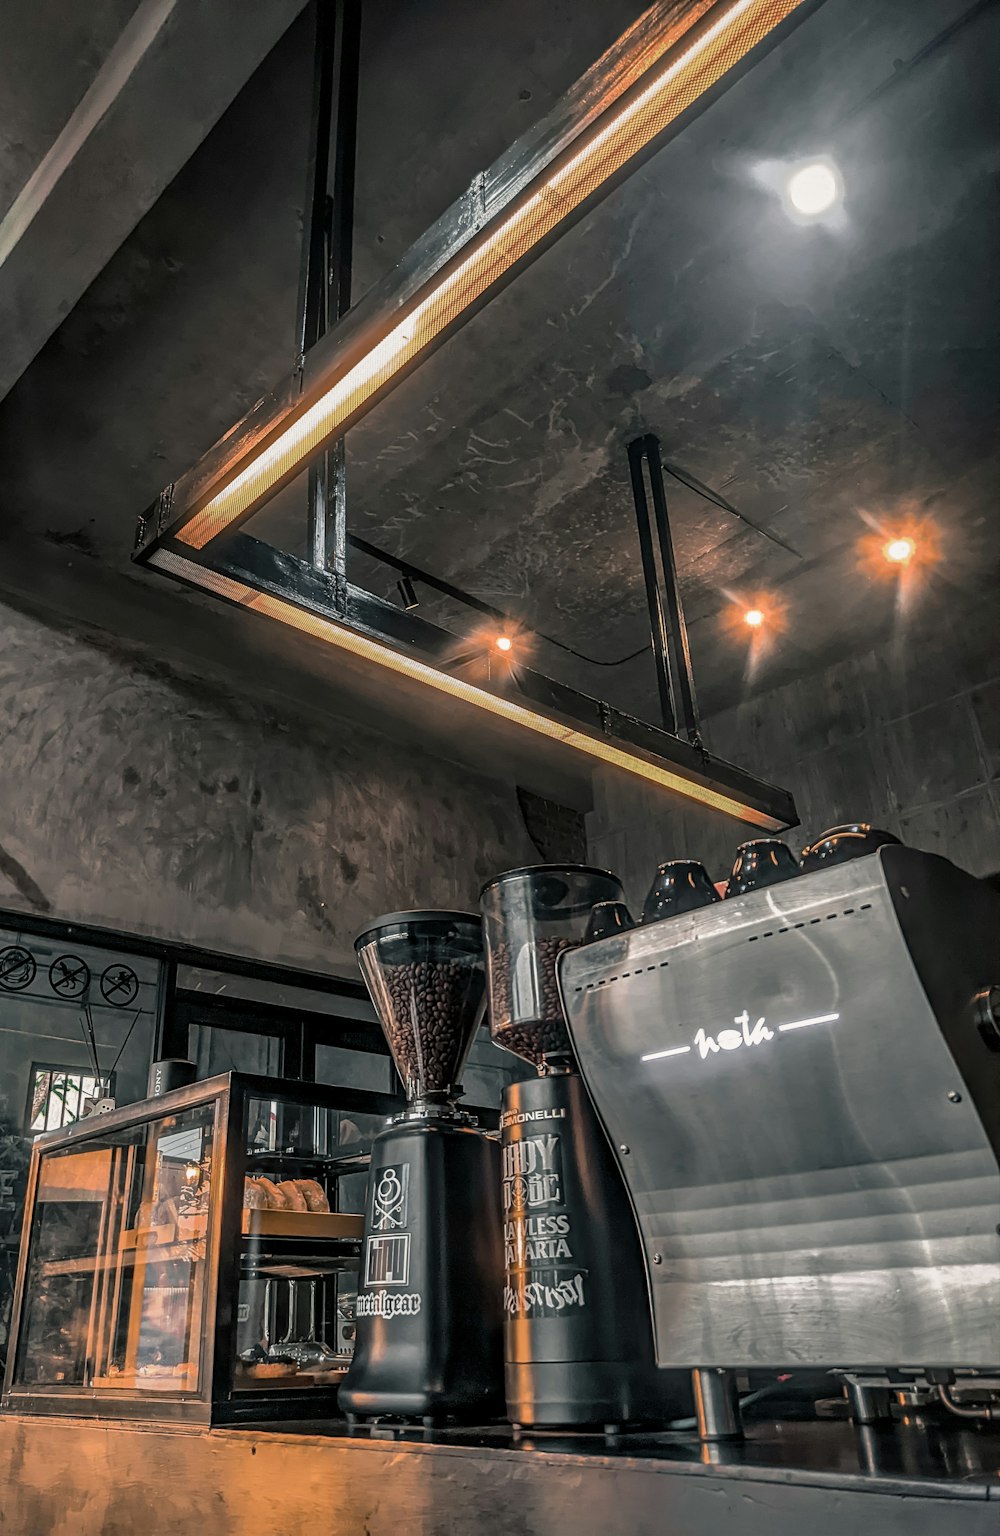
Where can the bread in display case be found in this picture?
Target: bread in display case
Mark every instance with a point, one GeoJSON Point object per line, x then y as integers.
{"type": "Point", "coordinates": [195, 1256]}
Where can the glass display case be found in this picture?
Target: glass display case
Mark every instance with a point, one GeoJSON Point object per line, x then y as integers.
{"type": "Point", "coordinates": [195, 1256]}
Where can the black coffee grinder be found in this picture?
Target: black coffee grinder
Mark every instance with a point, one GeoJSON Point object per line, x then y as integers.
{"type": "Point", "coordinates": [578, 1332]}
{"type": "Point", "coordinates": [428, 1341]}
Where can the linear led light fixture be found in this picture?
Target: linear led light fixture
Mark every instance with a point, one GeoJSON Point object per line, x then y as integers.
{"type": "Point", "coordinates": [413, 667]}
{"type": "Point", "coordinates": [682, 51]}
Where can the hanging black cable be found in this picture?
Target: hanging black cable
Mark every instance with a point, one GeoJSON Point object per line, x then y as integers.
{"type": "Point", "coordinates": [411, 572]}
{"type": "Point", "coordinates": [693, 484]}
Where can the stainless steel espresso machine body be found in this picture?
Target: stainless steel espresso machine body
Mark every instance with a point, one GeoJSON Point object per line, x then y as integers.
{"type": "Point", "coordinates": [802, 1089]}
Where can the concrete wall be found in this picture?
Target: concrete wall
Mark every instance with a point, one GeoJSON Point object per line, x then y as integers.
{"type": "Point", "coordinates": [142, 797]}
{"type": "Point", "coordinates": [906, 736]}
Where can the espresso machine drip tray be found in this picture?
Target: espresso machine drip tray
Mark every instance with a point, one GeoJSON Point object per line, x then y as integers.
{"type": "Point", "coordinates": [805, 1106]}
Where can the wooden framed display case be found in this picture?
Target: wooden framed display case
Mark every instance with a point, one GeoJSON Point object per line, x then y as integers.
{"type": "Point", "coordinates": [194, 1257]}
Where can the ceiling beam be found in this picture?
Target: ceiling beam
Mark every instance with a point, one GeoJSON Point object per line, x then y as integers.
{"type": "Point", "coordinates": [168, 79]}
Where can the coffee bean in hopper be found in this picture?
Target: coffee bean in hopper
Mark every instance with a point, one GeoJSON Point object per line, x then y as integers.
{"type": "Point", "coordinates": [537, 1027]}
{"type": "Point", "coordinates": [428, 1001]}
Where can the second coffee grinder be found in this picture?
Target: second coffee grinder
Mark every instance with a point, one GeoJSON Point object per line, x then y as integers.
{"type": "Point", "coordinates": [429, 1333]}
{"type": "Point", "coordinates": [578, 1333]}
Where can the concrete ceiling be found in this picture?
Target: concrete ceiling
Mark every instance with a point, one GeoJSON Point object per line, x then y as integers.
{"type": "Point", "coordinates": [51, 54]}
{"type": "Point", "coordinates": [816, 376]}
{"type": "Point", "coordinates": [102, 114]}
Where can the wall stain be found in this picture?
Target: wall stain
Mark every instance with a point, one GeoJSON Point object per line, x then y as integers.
{"type": "Point", "coordinates": [313, 904]}
{"type": "Point", "coordinates": [22, 882]}
{"type": "Point", "coordinates": [348, 869]}
{"type": "Point", "coordinates": [76, 538]}
{"type": "Point", "coordinates": [627, 379]}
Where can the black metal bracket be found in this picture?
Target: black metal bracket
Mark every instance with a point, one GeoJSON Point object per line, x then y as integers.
{"type": "Point", "coordinates": [327, 254]}
{"type": "Point", "coordinates": [668, 630]}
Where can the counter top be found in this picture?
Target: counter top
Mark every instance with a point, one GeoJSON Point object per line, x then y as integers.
{"type": "Point", "coordinates": [75, 1477]}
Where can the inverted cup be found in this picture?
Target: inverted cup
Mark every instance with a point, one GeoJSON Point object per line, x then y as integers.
{"type": "Point", "coordinates": [606, 918]}
{"type": "Point", "coordinates": [853, 840]}
{"type": "Point", "coordinates": [764, 861]}
{"type": "Point", "coordinates": [681, 885]}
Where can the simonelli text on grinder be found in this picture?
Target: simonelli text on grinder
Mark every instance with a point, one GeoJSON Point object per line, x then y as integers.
{"type": "Point", "coordinates": [429, 1331]}
{"type": "Point", "coordinates": [578, 1336]}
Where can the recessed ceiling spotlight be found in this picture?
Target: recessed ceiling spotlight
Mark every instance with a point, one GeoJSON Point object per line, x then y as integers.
{"type": "Point", "coordinates": [813, 188]}
{"type": "Point", "coordinates": [754, 617]}
{"type": "Point", "coordinates": [504, 643]}
{"type": "Point", "coordinates": [900, 551]}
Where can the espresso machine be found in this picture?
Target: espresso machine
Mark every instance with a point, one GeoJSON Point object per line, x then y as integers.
{"type": "Point", "coordinates": [578, 1341]}
{"type": "Point", "coordinates": [801, 1088]}
{"type": "Point", "coordinates": [428, 1343]}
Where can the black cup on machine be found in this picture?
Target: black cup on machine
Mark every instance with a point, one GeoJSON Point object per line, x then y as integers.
{"type": "Point", "coordinates": [429, 1339]}
{"type": "Point", "coordinates": [853, 840]}
{"type": "Point", "coordinates": [606, 918]}
{"type": "Point", "coordinates": [764, 861]}
{"type": "Point", "coordinates": [578, 1334]}
{"type": "Point", "coordinates": [681, 885]}
{"type": "Point", "coordinates": [168, 1073]}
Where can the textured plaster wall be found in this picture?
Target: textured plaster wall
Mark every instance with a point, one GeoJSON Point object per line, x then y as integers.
{"type": "Point", "coordinates": [150, 800]}
{"type": "Point", "coordinates": [906, 736]}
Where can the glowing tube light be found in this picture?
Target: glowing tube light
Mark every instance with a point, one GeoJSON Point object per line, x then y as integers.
{"type": "Point", "coordinates": [631, 124]}
{"type": "Point", "coordinates": [412, 667]}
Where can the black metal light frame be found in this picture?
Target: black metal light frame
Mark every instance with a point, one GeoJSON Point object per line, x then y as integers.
{"type": "Point", "coordinates": [315, 594]}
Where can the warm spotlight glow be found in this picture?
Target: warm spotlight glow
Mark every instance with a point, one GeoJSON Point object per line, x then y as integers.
{"type": "Point", "coordinates": [900, 551]}
{"type": "Point", "coordinates": [504, 643]}
{"type": "Point", "coordinates": [901, 546]}
{"type": "Point", "coordinates": [413, 668]}
{"type": "Point", "coordinates": [813, 189]}
{"type": "Point", "coordinates": [754, 623]}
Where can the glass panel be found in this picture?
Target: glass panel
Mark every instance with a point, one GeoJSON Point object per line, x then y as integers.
{"type": "Point", "coordinates": [355, 1069]}
{"type": "Point", "coordinates": [215, 1050]}
{"type": "Point", "coordinates": [303, 1198]}
{"type": "Point", "coordinates": [119, 1260]}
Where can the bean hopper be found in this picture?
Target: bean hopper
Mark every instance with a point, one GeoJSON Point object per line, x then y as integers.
{"type": "Point", "coordinates": [428, 1341]}
{"type": "Point", "coordinates": [578, 1338]}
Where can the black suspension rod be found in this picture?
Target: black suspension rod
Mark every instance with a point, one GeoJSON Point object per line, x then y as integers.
{"type": "Point", "coordinates": [668, 629]}
{"type": "Point", "coordinates": [327, 254]}
{"type": "Point", "coordinates": [654, 603]}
